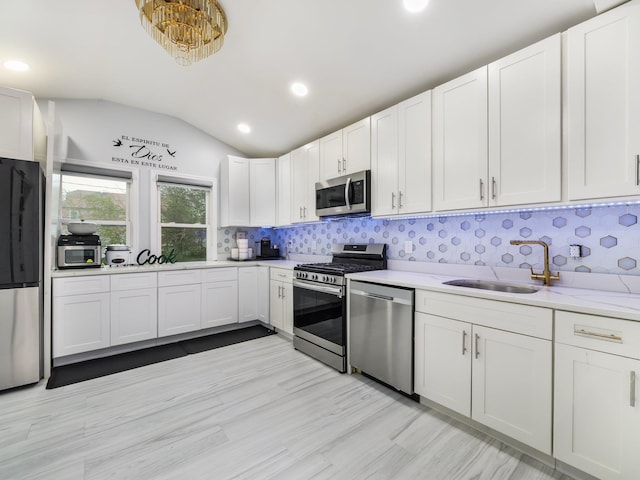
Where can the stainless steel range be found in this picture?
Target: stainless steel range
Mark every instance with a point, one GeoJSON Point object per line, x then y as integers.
{"type": "Point", "coordinates": [319, 300]}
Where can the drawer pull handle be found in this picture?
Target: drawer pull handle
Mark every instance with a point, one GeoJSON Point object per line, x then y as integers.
{"type": "Point", "coordinates": [464, 342]}
{"type": "Point", "coordinates": [609, 337]}
{"type": "Point", "coordinates": [632, 393]}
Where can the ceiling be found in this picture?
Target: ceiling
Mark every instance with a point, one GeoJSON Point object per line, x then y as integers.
{"type": "Point", "coordinates": [356, 56]}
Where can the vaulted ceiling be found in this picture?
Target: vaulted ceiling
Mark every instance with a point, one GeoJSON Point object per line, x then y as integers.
{"type": "Point", "coordinates": [356, 57]}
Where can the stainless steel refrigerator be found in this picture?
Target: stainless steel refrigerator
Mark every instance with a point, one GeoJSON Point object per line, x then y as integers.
{"type": "Point", "coordinates": [21, 227]}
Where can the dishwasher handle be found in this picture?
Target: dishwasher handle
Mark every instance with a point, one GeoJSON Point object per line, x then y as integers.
{"type": "Point", "coordinates": [377, 296]}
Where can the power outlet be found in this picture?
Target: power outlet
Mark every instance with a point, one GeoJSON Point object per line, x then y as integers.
{"type": "Point", "coordinates": [408, 247]}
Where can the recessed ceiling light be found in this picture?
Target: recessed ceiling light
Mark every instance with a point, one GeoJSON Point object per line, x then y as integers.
{"type": "Point", "coordinates": [299, 89]}
{"type": "Point", "coordinates": [415, 6]}
{"type": "Point", "coordinates": [244, 128]}
{"type": "Point", "coordinates": [16, 65]}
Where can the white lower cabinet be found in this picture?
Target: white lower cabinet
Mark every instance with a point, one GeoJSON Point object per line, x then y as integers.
{"type": "Point", "coordinates": [248, 294]}
{"type": "Point", "coordinates": [466, 361]}
{"type": "Point", "coordinates": [511, 385]}
{"type": "Point", "coordinates": [179, 309]}
{"type": "Point", "coordinates": [219, 297]}
{"type": "Point", "coordinates": [263, 294]}
{"type": "Point", "coordinates": [134, 315]}
{"type": "Point", "coordinates": [179, 302]}
{"type": "Point", "coordinates": [281, 300]}
{"type": "Point", "coordinates": [134, 307]}
{"type": "Point", "coordinates": [443, 361]}
{"type": "Point", "coordinates": [81, 323]}
{"type": "Point", "coordinates": [80, 314]}
{"type": "Point", "coordinates": [597, 395]}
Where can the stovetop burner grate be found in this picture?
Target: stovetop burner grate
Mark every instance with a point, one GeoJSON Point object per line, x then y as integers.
{"type": "Point", "coordinates": [336, 268]}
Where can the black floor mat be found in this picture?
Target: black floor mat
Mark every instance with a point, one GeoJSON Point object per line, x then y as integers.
{"type": "Point", "coordinates": [201, 344]}
{"type": "Point", "coordinates": [79, 372]}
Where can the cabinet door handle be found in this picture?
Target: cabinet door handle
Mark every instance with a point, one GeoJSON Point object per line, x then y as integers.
{"type": "Point", "coordinates": [464, 342]}
{"type": "Point", "coordinates": [637, 169]}
{"type": "Point", "coordinates": [632, 393]}
{"type": "Point", "coordinates": [610, 337]}
{"type": "Point", "coordinates": [393, 200]}
{"type": "Point", "coordinates": [339, 165]}
{"type": "Point", "coordinates": [283, 290]}
{"type": "Point", "coordinates": [300, 212]}
{"type": "Point", "coordinates": [304, 212]}
{"type": "Point", "coordinates": [477, 345]}
{"type": "Point", "coordinates": [344, 165]}
{"type": "Point", "coordinates": [279, 290]}
{"type": "Point", "coordinates": [399, 199]}
{"type": "Point", "coordinates": [493, 188]}
{"type": "Point", "coordinates": [481, 190]}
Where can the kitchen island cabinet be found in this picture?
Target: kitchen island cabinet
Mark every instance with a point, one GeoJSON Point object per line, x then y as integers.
{"type": "Point", "coordinates": [603, 105]}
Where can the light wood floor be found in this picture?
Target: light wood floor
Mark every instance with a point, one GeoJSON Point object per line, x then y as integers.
{"type": "Point", "coordinates": [257, 410]}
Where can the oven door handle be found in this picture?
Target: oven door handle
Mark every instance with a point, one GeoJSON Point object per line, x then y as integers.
{"type": "Point", "coordinates": [337, 291]}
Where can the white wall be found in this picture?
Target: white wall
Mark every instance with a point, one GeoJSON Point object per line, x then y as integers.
{"type": "Point", "coordinates": [94, 126]}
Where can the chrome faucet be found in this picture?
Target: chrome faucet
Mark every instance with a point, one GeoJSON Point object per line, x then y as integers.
{"type": "Point", "coordinates": [545, 276]}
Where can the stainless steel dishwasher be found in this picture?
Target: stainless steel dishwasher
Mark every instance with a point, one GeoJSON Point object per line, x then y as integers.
{"type": "Point", "coordinates": [381, 333]}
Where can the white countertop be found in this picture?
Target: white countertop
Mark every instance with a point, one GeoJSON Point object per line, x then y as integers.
{"type": "Point", "coordinates": [104, 270]}
{"type": "Point", "coordinates": [594, 302]}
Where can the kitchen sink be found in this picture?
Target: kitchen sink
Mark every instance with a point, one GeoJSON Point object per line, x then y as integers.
{"type": "Point", "coordinates": [495, 286]}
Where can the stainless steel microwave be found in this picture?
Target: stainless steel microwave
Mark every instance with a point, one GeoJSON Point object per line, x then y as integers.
{"type": "Point", "coordinates": [79, 256]}
{"type": "Point", "coordinates": [349, 194]}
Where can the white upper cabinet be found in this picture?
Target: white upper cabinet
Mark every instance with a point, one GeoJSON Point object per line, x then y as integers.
{"type": "Point", "coordinates": [283, 191]}
{"type": "Point", "coordinates": [304, 175]}
{"type": "Point", "coordinates": [497, 136]}
{"type": "Point", "coordinates": [247, 192]}
{"type": "Point", "coordinates": [460, 142]}
{"type": "Point", "coordinates": [401, 157]}
{"type": "Point", "coordinates": [262, 186]}
{"type": "Point", "coordinates": [346, 151]}
{"type": "Point", "coordinates": [603, 105]}
{"type": "Point", "coordinates": [22, 130]}
{"type": "Point", "coordinates": [525, 144]}
{"type": "Point", "coordinates": [384, 162]}
{"type": "Point", "coordinates": [234, 192]}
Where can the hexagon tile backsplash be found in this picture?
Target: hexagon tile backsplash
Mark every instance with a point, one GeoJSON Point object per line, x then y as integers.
{"type": "Point", "coordinates": [609, 237]}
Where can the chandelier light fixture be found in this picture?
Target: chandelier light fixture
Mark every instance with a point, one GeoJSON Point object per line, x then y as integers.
{"type": "Point", "coordinates": [189, 30]}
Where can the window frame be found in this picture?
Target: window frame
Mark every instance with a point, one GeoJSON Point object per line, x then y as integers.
{"type": "Point", "coordinates": [185, 181]}
{"type": "Point", "coordinates": [94, 170]}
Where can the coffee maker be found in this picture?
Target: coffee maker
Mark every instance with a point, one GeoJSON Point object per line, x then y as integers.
{"type": "Point", "coordinates": [266, 250]}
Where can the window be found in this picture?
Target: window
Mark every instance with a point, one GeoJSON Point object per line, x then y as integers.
{"type": "Point", "coordinates": [97, 199]}
{"type": "Point", "coordinates": [184, 226]}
